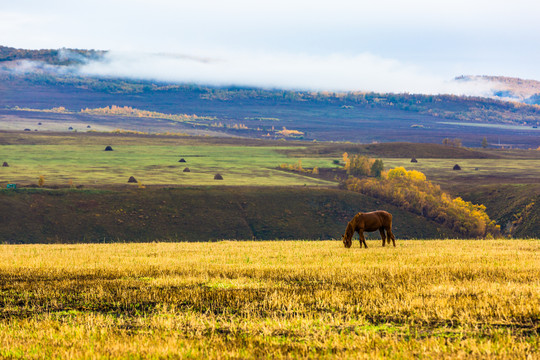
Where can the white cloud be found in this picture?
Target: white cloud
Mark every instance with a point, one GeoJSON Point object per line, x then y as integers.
{"type": "Point", "coordinates": [382, 44]}
{"type": "Point", "coordinates": [364, 72]}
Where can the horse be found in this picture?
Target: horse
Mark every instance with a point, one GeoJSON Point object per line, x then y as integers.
{"type": "Point", "coordinates": [371, 221]}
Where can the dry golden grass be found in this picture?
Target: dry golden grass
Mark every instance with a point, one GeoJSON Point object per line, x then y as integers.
{"type": "Point", "coordinates": [296, 299]}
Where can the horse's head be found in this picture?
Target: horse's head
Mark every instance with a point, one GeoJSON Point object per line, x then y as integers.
{"type": "Point", "coordinates": [346, 241]}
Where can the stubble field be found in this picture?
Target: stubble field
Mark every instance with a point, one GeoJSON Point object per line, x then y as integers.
{"type": "Point", "coordinates": [281, 299]}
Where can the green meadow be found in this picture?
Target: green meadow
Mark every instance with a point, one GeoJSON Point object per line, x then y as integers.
{"type": "Point", "coordinates": [153, 165]}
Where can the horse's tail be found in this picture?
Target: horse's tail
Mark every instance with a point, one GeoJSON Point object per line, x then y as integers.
{"type": "Point", "coordinates": [389, 233]}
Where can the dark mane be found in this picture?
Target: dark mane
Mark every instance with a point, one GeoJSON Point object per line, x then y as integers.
{"type": "Point", "coordinates": [349, 231]}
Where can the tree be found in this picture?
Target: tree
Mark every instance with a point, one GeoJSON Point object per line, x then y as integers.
{"type": "Point", "coordinates": [484, 142]}
{"type": "Point", "coordinates": [41, 180]}
{"type": "Point", "coordinates": [377, 168]}
{"type": "Point", "coordinates": [397, 172]}
{"type": "Point", "coordinates": [452, 142]}
{"type": "Point", "coordinates": [347, 161]}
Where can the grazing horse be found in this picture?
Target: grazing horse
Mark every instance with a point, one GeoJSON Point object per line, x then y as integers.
{"type": "Point", "coordinates": [371, 221]}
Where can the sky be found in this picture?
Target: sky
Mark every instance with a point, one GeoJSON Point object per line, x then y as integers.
{"type": "Point", "coordinates": [383, 45]}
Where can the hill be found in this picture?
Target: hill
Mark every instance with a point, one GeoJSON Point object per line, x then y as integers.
{"type": "Point", "coordinates": [191, 214]}
{"type": "Point", "coordinates": [515, 89]}
{"type": "Point", "coordinates": [62, 57]}
{"type": "Point", "coordinates": [357, 117]}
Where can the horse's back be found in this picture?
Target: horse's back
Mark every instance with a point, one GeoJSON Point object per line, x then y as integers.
{"type": "Point", "coordinates": [386, 216]}
{"type": "Point", "coordinates": [376, 219]}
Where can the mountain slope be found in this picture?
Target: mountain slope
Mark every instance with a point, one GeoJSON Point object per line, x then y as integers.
{"type": "Point", "coordinates": [252, 112]}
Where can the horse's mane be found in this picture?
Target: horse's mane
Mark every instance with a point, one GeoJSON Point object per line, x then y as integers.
{"type": "Point", "coordinates": [349, 232]}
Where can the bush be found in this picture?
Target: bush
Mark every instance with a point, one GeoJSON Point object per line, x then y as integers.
{"type": "Point", "coordinates": [411, 191]}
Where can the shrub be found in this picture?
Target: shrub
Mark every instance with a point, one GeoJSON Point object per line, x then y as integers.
{"type": "Point", "coordinates": [411, 191]}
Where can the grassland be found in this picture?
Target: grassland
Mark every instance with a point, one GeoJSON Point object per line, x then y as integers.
{"type": "Point", "coordinates": [152, 164]}
{"type": "Point", "coordinates": [427, 299]}
{"type": "Point", "coordinates": [78, 159]}
{"type": "Point", "coordinates": [153, 160]}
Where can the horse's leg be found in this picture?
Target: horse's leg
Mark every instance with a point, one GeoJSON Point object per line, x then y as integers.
{"type": "Point", "coordinates": [383, 237]}
{"type": "Point", "coordinates": [391, 236]}
{"type": "Point", "coordinates": [362, 239]}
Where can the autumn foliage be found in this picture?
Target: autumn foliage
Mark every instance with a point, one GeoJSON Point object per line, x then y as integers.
{"type": "Point", "coordinates": [129, 111]}
{"type": "Point", "coordinates": [359, 165]}
{"type": "Point", "coordinates": [411, 190]}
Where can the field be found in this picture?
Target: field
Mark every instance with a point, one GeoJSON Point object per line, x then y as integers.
{"type": "Point", "coordinates": [153, 160]}
{"type": "Point", "coordinates": [295, 299]}
{"type": "Point", "coordinates": [86, 197]}
{"type": "Point", "coordinates": [152, 165]}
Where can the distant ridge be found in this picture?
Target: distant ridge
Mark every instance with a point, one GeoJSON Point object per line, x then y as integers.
{"type": "Point", "coordinates": [510, 88]}
{"type": "Point", "coordinates": [36, 82]}
{"type": "Point", "coordinates": [62, 57]}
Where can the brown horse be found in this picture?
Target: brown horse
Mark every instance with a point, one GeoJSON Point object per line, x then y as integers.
{"type": "Point", "coordinates": [371, 221]}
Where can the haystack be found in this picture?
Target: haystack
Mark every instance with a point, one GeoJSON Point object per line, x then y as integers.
{"type": "Point", "coordinates": [456, 167]}
{"type": "Point", "coordinates": [132, 180]}
{"type": "Point", "coordinates": [187, 170]}
{"type": "Point", "coordinates": [5, 164]}
{"type": "Point", "coordinates": [218, 177]}
{"type": "Point", "coordinates": [108, 148]}
{"type": "Point", "coordinates": [413, 160]}
{"type": "Point", "coordinates": [182, 160]}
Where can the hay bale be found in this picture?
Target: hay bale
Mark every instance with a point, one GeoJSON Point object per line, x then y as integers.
{"type": "Point", "coordinates": [413, 160]}
{"type": "Point", "coordinates": [182, 160]}
{"type": "Point", "coordinates": [132, 180]}
{"type": "Point", "coordinates": [108, 148]}
{"type": "Point", "coordinates": [456, 167]}
{"type": "Point", "coordinates": [187, 170]}
{"type": "Point", "coordinates": [5, 164]}
{"type": "Point", "coordinates": [218, 177]}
